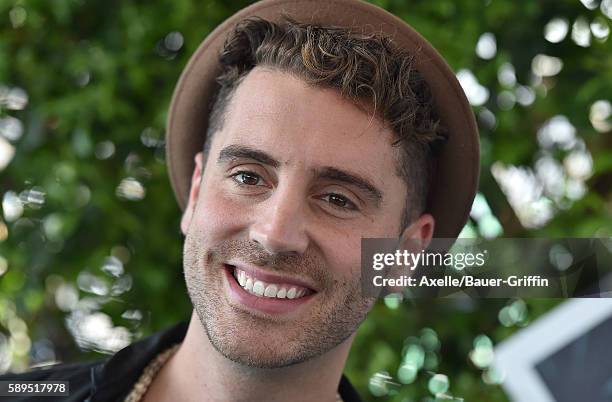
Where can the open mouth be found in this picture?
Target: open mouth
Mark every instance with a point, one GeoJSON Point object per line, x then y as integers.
{"type": "Point", "coordinates": [265, 289]}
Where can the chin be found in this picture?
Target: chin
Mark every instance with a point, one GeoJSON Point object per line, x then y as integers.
{"type": "Point", "coordinates": [258, 351]}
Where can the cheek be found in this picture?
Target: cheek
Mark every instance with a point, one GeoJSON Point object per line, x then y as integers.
{"type": "Point", "coordinates": [218, 215]}
{"type": "Point", "coordinates": [343, 256]}
{"type": "Point", "coordinates": [342, 247]}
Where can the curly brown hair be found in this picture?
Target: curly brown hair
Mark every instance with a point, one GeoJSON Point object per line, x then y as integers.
{"type": "Point", "coordinates": [367, 69]}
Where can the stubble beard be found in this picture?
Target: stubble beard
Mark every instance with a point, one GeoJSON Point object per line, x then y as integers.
{"type": "Point", "coordinates": [266, 342]}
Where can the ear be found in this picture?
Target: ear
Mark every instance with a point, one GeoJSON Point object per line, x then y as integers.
{"type": "Point", "coordinates": [419, 232]}
{"type": "Point", "coordinates": [194, 192]}
{"type": "Point", "coordinates": [414, 238]}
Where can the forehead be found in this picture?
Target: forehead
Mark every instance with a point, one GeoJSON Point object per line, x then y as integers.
{"type": "Point", "coordinates": [305, 125]}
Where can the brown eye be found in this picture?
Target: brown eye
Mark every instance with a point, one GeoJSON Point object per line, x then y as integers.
{"type": "Point", "coordinates": [340, 201]}
{"type": "Point", "coordinates": [247, 178]}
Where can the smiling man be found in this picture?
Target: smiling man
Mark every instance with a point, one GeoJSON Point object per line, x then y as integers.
{"type": "Point", "coordinates": [318, 137]}
{"type": "Point", "coordinates": [297, 129]}
{"type": "Point", "coordinates": [293, 180]}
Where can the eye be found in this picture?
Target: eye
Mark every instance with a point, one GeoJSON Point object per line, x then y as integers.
{"type": "Point", "coordinates": [339, 201]}
{"type": "Point", "coordinates": [247, 178]}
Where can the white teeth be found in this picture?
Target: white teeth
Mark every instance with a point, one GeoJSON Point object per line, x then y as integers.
{"type": "Point", "coordinates": [270, 291]}
{"type": "Point", "coordinates": [258, 288]}
{"type": "Point", "coordinates": [263, 289]}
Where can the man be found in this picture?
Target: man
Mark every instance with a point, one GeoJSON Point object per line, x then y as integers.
{"type": "Point", "coordinates": [324, 128]}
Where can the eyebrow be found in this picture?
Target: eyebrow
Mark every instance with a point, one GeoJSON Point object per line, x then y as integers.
{"type": "Point", "coordinates": [234, 152]}
{"type": "Point", "coordinates": [332, 173]}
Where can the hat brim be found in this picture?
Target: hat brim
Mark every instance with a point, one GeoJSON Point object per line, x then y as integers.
{"type": "Point", "coordinates": [455, 179]}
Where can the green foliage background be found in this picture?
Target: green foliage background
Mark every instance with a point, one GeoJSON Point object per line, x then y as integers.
{"type": "Point", "coordinates": [101, 72]}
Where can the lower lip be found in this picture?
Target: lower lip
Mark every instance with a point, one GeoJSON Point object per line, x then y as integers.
{"type": "Point", "coordinates": [267, 305]}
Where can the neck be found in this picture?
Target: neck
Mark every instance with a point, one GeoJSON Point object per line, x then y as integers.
{"type": "Point", "coordinates": [198, 372]}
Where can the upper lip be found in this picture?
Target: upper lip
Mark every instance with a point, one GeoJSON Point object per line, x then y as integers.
{"type": "Point", "coordinates": [270, 277]}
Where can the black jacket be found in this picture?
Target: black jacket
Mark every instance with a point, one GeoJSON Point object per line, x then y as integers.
{"type": "Point", "coordinates": [112, 379]}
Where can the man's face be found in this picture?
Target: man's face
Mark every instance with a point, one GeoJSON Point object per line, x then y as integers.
{"type": "Point", "coordinates": [293, 181]}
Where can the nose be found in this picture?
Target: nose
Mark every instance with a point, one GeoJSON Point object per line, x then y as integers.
{"type": "Point", "coordinates": [280, 224]}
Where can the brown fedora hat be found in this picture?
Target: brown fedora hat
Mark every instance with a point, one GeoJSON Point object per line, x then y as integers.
{"type": "Point", "coordinates": [455, 180]}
